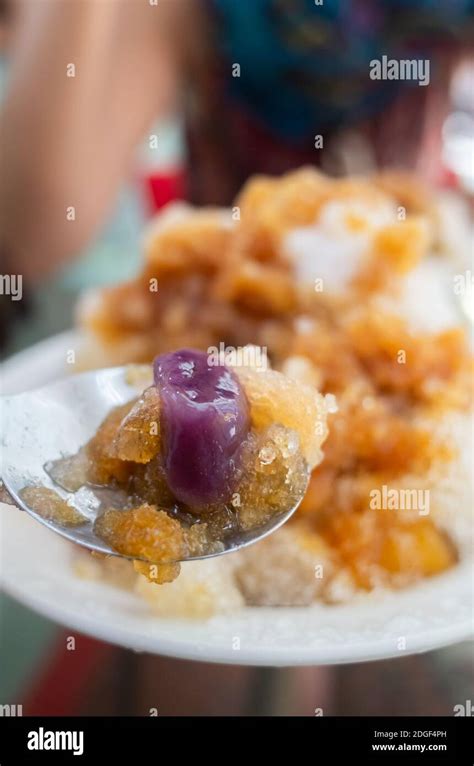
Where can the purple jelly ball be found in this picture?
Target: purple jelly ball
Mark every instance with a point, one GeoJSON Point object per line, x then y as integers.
{"type": "Point", "coordinates": [204, 418]}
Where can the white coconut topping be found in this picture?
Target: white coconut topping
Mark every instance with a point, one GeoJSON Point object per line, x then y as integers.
{"type": "Point", "coordinates": [426, 299]}
{"type": "Point", "coordinates": [332, 248]}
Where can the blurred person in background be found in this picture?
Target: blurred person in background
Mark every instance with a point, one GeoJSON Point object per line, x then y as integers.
{"type": "Point", "coordinates": [255, 82]}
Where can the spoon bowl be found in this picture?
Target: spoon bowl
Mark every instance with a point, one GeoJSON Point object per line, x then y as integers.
{"type": "Point", "coordinates": [55, 421]}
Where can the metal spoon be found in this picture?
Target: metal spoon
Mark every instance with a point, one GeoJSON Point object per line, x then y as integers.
{"type": "Point", "coordinates": [56, 420]}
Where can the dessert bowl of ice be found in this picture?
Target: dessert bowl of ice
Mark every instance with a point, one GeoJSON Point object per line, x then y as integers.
{"type": "Point", "coordinates": [351, 288]}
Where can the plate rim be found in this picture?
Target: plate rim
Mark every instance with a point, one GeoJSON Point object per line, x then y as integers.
{"type": "Point", "coordinates": [179, 649]}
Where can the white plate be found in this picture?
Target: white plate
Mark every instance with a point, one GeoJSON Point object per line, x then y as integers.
{"type": "Point", "coordinates": [35, 569]}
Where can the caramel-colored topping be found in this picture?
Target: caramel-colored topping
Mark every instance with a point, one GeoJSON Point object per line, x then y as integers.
{"type": "Point", "coordinates": [48, 504]}
{"type": "Point", "coordinates": [234, 283]}
{"type": "Point", "coordinates": [142, 533]}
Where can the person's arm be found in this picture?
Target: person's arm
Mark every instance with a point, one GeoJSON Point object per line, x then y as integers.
{"type": "Point", "coordinates": [68, 141]}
